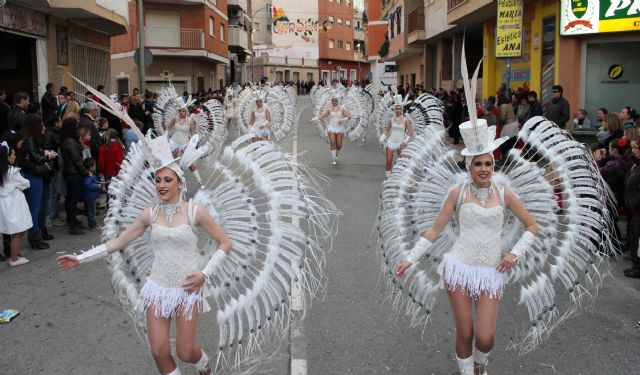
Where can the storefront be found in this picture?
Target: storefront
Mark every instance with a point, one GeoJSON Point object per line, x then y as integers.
{"type": "Point", "coordinates": [607, 39]}
{"type": "Point", "coordinates": [23, 61]}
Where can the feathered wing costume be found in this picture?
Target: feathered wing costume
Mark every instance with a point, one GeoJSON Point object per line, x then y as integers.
{"type": "Point", "coordinates": [359, 104]}
{"type": "Point", "coordinates": [281, 102]}
{"type": "Point", "coordinates": [557, 181]}
{"type": "Point", "coordinates": [276, 217]}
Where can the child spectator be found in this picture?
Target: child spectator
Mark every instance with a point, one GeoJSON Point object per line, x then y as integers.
{"type": "Point", "coordinates": [90, 193]}
{"type": "Point", "coordinates": [103, 128]}
{"type": "Point", "coordinates": [84, 136]}
{"type": "Point", "coordinates": [15, 217]}
{"type": "Point", "coordinates": [110, 157]}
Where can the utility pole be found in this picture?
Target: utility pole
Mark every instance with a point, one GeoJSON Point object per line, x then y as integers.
{"type": "Point", "coordinates": [141, 67]}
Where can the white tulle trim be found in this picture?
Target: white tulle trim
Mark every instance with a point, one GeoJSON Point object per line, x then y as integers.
{"type": "Point", "coordinates": [335, 129]}
{"type": "Point", "coordinates": [263, 133]}
{"type": "Point", "coordinates": [168, 301]}
{"type": "Point", "coordinates": [393, 146]}
{"type": "Point", "coordinates": [474, 281]}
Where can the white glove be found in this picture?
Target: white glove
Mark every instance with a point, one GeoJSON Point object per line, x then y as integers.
{"type": "Point", "coordinates": [523, 244]}
{"type": "Point", "coordinates": [383, 138]}
{"type": "Point", "coordinates": [406, 139]}
{"type": "Point", "coordinates": [213, 264]}
{"type": "Point", "coordinates": [315, 119]}
{"type": "Point", "coordinates": [92, 254]}
{"type": "Point", "coordinates": [419, 249]}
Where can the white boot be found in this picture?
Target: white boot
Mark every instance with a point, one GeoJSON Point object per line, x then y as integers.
{"type": "Point", "coordinates": [197, 176]}
{"type": "Point", "coordinates": [465, 365]}
{"type": "Point", "coordinates": [387, 174]}
{"type": "Point", "coordinates": [175, 372]}
{"type": "Point", "coordinates": [334, 156]}
{"type": "Point", "coordinates": [203, 365]}
{"type": "Point", "coordinates": [481, 360]}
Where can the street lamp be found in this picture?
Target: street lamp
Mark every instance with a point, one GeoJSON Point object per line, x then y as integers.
{"type": "Point", "coordinates": [358, 47]}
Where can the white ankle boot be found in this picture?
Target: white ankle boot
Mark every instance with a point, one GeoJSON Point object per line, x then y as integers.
{"type": "Point", "coordinates": [175, 372]}
{"type": "Point", "coordinates": [481, 360]}
{"type": "Point", "coordinates": [203, 365]}
{"type": "Point", "coordinates": [334, 156]}
{"type": "Point", "coordinates": [465, 365]}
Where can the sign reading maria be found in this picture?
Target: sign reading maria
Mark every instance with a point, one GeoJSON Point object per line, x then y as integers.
{"type": "Point", "coordinates": [599, 16]}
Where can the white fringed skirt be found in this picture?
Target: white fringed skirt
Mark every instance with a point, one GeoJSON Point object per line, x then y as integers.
{"type": "Point", "coordinates": [472, 280]}
{"type": "Point", "coordinates": [393, 146]}
{"type": "Point", "coordinates": [263, 133]}
{"type": "Point", "coordinates": [335, 129]}
{"type": "Point", "coordinates": [169, 301]}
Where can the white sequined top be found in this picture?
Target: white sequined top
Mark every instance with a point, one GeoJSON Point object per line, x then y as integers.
{"type": "Point", "coordinates": [175, 254]}
{"type": "Point", "coordinates": [480, 241]}
{"type": "Point", "coordinates": [397, 131]}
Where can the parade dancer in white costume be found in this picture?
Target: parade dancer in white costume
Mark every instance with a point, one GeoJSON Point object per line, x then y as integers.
{"type": "Point", "coordinates": [174, 288]}
{"type": "Point", "coordinates": [397, 133]}
{"type": "Point", "coordinates": [255, 192]}
{"type": "Point", "coordinates": [338, 115]}
{"type": "Point", "coordinates": [181, 128]}
{"type": "Point", "coordinates": [230, 108]}
{"type": "Point", "coordinates": [259, 119]}
{"type": "Point", "coordinates": [473, 272]}
{"type": "Point", "coordinates": [494, 228]}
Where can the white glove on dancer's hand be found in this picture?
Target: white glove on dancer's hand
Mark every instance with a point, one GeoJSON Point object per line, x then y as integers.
{"type": "Point", "coordinates": [524, 243]}
{"type": "Point", "coordinates": [419, 249]}
{"type": "Point", "coordinates": [314, 119]}
{"type": "Point", "coordinates": [90, 255]}
{"type": "Point", "coordinates": [213, 264]}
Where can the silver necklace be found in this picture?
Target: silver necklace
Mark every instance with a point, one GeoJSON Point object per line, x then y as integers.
{"type": "Point", "coordinates": [170, 210]}
{"type": "Point", "coordinates": [482, 194]}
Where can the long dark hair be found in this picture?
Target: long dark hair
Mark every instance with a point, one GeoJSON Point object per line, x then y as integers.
{"type": "Point", "coordinates": [69, 129]}
{"type": "Point", "coordinates": [32, 128]}
{"type": "Point", "coordinates": [4, 163]}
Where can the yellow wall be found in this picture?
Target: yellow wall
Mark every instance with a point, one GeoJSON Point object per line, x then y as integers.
{"type": "Point", "coordinates": [492, 68]}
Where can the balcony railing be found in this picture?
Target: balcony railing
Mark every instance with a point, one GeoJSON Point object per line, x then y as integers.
{"type": "Point", "coordinates": [238, 37]}
{"type": "Point", "coordinates": [239, 3]}
{"type": "Point", "coordinates": [453, 4]}
{"type": "Point", "coordinates": [416, 20]}
{"type": "Point", "coordinates": [165, 37]}
{"type": "Point", "coordinates": [286, 61]}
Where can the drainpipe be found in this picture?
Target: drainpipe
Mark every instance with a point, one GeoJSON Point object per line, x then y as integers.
{"type": "Point", "coordinates": [141, 42]}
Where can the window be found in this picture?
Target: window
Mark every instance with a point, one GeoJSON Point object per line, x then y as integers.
{"type": "Point", "coordinates": [325, 75]}
{"type": "Point", "coordinates": [222, 32]}
{"type": "Point", "coordinates": [212, 30]}
{"type": "Point", "coordinates": [331, 20]}
{"type": "Point", "coordinates": [340, 44]}
{"type": "Point", "coordinates": [353, 75]}
{"type": "Point", "coordinates": [348, 23]}
{"type": "Point", "coordinates": [339, 1]}
{"type": "Point", "coordinates": [348, 47]}
{"type": "Point", "coordinates": [348, 3]}
{"type": "Point", "coordinates": [340, 22]}
{"type": "Point", "coordinates": [358, 25]}
{"type": "Point", "coordinates": [330, 43]}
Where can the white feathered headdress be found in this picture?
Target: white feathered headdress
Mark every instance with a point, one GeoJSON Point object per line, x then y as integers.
{"type": "Point", "coordinates": [184, 105]}
{"type": "Point", "coordinates": [478, 137]}
{"type": "Point", "coordinates": [398, 100]}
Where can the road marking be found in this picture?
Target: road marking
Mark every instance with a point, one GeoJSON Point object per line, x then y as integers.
{"type": "Point", "coordinates": [298, 365]}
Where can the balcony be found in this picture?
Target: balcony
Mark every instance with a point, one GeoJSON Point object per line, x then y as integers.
{"type": "Point", "coordinates": [242, 4]}
{"type": "Point", "coordinates": [285, 61]}
{"type": "Point", "coordinates": [238, 39]}
{"type": "Point", "coordinates": [416, 27]}
{"type": "Point", "coordinates": [164, 37]}
{"type": "Point", "coordinates": [465, 12]}
{"type": "Point", "coordinates": [109, 16]}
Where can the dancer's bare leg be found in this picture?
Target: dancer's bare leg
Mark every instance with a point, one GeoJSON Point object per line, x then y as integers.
{"type": "Point", "coordinates": [158, 332]}
{"type": "Point", "coordinates": [462, 306]}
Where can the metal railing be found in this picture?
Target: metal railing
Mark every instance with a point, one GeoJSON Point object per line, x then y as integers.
{"type": "Point", "coordinates": [238, 36]}
{"type": "Point", "coordinates": [168, 37]}
{"type": "Point", "coordinates": [415, 20]}
{"type": "Point", "coordinates": [286, 61]}
{"type": "Point", "coordinates": [453, 4]}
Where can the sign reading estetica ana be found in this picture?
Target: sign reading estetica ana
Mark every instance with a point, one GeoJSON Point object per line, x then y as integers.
{"type": "Point", "coordinates": [509, 28]}
{"type": "Point", "coordinates": [599, 16]}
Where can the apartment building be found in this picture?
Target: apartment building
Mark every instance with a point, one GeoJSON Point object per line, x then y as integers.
{"type": "Point", "coordinates": [342, 51]}
{"type": "Point", "coordinates": [188, 42]}
{"type": "Point", "coordinates": [285, 40]}
{"type": "Point", "coordinates": [43, 40]}
{"type": "Point", "coordinates": [239, 13]}
{"type": "Point", "coordinates": [375, 36]}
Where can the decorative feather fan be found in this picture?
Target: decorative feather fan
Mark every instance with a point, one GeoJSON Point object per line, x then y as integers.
{"type": "Point", "coordinates": [567, 263]}
{"type": "Point", "coordinates": [281, 102]}
{"type": "Point", "coordinates": [353, 100]}
{"type": "Point", "coordinates": [165, 109]}
{"type": "Point", "coordinates": [277, 220]}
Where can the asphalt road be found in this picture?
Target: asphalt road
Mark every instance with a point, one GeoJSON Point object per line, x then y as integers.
{"type": "Point", "coordinates": [71, 322]}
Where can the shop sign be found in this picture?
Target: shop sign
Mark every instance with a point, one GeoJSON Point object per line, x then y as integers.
{"type": "Point", "coordinates": [579, 17]}
{"type": "Point", "coordinates": [388, 73]}
{"type": "Point", "coordinates": [509, 28]}
{"type": "Point", "coordinates": [614, 73]}
{"type": "Point", "coordinates": [23, 19]}
{"type": "Point", "coordinates": [518, 75]}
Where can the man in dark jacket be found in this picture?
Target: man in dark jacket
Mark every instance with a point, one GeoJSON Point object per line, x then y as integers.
{"type": "Point", "coordinates": [88, 120]}
{"type": "Point", "coordinates": [16, 115]}
{"type": "Point", "coordinates": [4, 111]}
{"type": "Point", "coordinates": [49, 103]}
{"type": "Point", "coordinates": [558, 110]}
{"type": "Point", "coordinates": [536, 107]}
